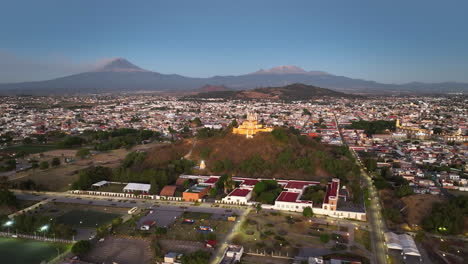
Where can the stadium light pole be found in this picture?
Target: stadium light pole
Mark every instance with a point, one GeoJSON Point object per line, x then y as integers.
{"type": "Point", "coordinates": [8, 224]}
{"type": "Point", "coordinates": [44, 229]}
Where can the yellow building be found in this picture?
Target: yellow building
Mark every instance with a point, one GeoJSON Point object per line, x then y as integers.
{"type": "Point", "coordinates": [250, 127]}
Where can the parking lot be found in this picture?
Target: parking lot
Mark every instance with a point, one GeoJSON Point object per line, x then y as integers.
{"type": "Point", "coordinates": [162, 217]}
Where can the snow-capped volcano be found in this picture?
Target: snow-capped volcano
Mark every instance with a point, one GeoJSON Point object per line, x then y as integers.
{"type": "Point", "coordinates": [118, 65]}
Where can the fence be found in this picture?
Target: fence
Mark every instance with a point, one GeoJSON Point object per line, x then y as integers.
{"type": "Point", "coordinates": [36, 237]}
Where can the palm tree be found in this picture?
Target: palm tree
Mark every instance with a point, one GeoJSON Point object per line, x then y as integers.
{"type": "Point", "coordinates": [172, 132]}
{"type": "Point", "coordinates": [229, 184]}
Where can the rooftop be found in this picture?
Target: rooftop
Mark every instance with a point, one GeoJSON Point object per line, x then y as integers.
{"type": "Point", "coordinates": [196, 189]}
{"type": "Point", "coordinates": [240, 192]}
{"type": "Point", "coordinates": [211, 180]}
{"type": "Point", "coordinates": [299, 184]}
{"type": "Point", "coordinates": [288, 197]}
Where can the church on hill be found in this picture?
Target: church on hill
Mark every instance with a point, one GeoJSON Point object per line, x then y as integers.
{"type": "Point", "coordinates": [250, 127]}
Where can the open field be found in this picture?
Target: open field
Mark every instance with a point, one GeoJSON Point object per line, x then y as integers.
{"type": "Point", "coordinates": [120, 250]}
{"type": "Point", "coordinates": [190, 232]}
{"type": "Point", "coordinates": [280, 233]}
{"type": "Point", "coordinates": [20, 251]}
{"type": "Point", "coordinates": [61, 177]}
{"type": "Point", "coordinates": [182, 246]}
{"type": "Point", "coordinates": [419, 206]}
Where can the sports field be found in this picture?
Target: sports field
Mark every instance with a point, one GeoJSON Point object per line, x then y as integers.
{"type": "Point", "coordinates": [81, 218]}
{"type": "Point", "coordinates": [21, 251]}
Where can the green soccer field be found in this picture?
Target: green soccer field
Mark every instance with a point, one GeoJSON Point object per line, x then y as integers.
{"type": "Point", "coordinates": [81, 218]}
{"type": "Point", "coordinates": [21, 251]}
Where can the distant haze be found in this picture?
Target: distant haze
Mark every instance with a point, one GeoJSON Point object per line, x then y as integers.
{"type": "Point", "coordinates": [120, 75]}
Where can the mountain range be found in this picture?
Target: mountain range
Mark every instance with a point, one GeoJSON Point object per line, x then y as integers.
{"type": "Point", "coordinates": [120, 75]}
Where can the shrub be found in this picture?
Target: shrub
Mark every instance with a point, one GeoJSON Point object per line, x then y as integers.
{"type": "Point", "coordinates": [81, 247]}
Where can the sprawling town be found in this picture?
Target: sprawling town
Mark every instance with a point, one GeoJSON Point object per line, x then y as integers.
{"type": "Point", "coordinates": [139, 178]}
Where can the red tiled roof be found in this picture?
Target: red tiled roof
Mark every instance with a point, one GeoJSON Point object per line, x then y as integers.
{"type": "Point", "coordinates": [250, 182]}
{"type": "Point", "coordinates": [211, 180]}
{"type": "Point", "coordinates": [168, 190]}
{"type": "Point", "coordinates": [298, 184]}
{"type": "Point", "coordinates": [240, 192]}
{"type": "Point", "coordinates": [332, 190]}
{"type": "Point", "coordinates": [288, 197]}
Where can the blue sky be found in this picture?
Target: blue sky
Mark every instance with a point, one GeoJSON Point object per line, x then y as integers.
{"type": "Point", "coordinates": [387, 41]}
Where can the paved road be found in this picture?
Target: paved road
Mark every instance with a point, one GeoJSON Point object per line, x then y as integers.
{"type": "Point", "coordinates": [373, 212]}
{"type": "Point", "coordinates": [375, 218]}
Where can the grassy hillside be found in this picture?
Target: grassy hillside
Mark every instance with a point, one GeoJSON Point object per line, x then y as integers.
{"type": "Point", "coordinates": [296, 91]}
{"type": "Point", "coordinates": [281, 154]}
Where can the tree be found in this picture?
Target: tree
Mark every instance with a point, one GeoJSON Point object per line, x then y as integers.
{"type": "Point", "coordinates": [81, 247]}
{"type": "Point", "coordinates": [234, 123]}
{"type": "Point", "coordinates": [197, 122]}
{"type": "Point", "coordinates": [7, 198]}
{"type": "Point", "coordinates": [213, 192]}
{"type": "Point", "coordinates": [27, 140]}
{"type": "Point", "coordinates": [172, 132]}
{"type": "Point", "coordinates": [197, 257]}
{"type": "Point", "coordinates": [308, 212]}
{"type": "Point", "coordinates": [306, 111]}
{"type": "Point", "coordinates": [154, 187]}
{"type": "Point", "coordinates": [447, 217]}
{"type": "Point", "coordinates": [44, 165]}
{"type": "Point", "coordinates": [82, 153]}
{"type": "Point", "coordinates": [55, 162]}
{"type": "Point", "coordinates": [258, 207]}
{"type": "Point", "coordinates": [160, 231]}
{"type": "Point", "coordinates": [404, 190]}
{"type": "Point", "coordinates": [324, 238]}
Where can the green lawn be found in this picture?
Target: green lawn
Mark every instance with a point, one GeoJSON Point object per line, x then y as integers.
{"type": "Point", "coordinates": [20, 251]}
{"type": "Point", "coordinates": [32, 148]}
{"type": "Point", "coordinates": [81, 218]}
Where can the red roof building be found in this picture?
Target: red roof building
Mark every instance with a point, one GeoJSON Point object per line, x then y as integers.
{"type": "Point", "coordinates": [289, 197]}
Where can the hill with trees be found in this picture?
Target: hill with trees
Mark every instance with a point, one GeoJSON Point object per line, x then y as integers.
{"type": "Point", "coordinates": [292, 92]}
{"type": "Point", "coordinates": [282, 154]}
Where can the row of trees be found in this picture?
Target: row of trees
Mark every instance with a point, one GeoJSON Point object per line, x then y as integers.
{"type": "Point", "coordinates": [447, 217]}
{"type": "Point", "coordinates": [373, 127]}
{"type": "Point", "coordinates": [131, 171]}
{"type": "Point", "coordinates": [108, 140]}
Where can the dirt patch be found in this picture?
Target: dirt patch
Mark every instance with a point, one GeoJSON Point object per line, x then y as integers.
{"type": "Point", "coordinates": [121, 250]}
{"type": "Point", "coordinates": [250, 259]}
{"type": "Point", "coordinates": [418, 207]}
{"type": "Point", "coordinates": [164, 153]}
{"type": "Point", "coordinates": [61, 177]}
{"type": "Point", "coordinates": [182, 246]}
